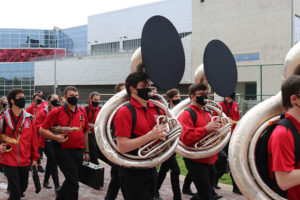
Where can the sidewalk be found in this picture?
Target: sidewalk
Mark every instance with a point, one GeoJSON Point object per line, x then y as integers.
{"type": "Point", "coordinates": [87, 193]}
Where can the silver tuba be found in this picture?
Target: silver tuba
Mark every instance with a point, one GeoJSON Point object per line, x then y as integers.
{"type": "Point", "coordinates": [212, 143]}
{"type": "Point", "coordinates": [156, 151]}
{"type": "Point", "coordinates": [247, 132]}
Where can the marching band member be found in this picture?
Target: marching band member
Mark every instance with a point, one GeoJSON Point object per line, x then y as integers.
{"type": "Point", "coordinates": [92, 110]}
{"type": "Point", "coordinates": [119, 87]}
{"type": "Point", "coordinates": [173, 97]}
{"type": "Point", "coordinates": [3, 104]}
{"type": "Point", "coordinates": [69, 153]}
{"type": "Point", "coordinates": [18, 123]}
{"type": "Point", "coordinates": [137, 183]}
{"type": "Point", "coordinates": [201, 170]}
{"type": "Point", "coordinates": [36, 106]}
{"type": "Point", "coordinates": [51, 166]}
{"type": "Point", "coordinates": [281, 145]}
{"type": "Point", "coordinates": [231, 110]}
{"type": "Point", "coordinates": [114, 185]}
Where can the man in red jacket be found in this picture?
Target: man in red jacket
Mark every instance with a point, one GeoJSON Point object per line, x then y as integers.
{"type": "Point", "coordinates": [92, 110]}
{"type": "Point", "coordinates": [137, 183]}
{"type": "Point", "coordinates": [283, 161]}
{"type": "Point", "coordinates": [69, 153]}
{"type": "Point", "coordinates": [17, 123]}
{"type": "Point", "coordinates": [201, 170]}
{"type": "Point", "coordinates": [51, 166]}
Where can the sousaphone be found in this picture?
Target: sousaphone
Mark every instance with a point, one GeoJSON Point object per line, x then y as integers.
{"type": "Point", "coordinates": [220, 72]}
{"type": "Point", "coordinates": [162, 55]}
{"type": "Point", "coordinates": [247, 133]}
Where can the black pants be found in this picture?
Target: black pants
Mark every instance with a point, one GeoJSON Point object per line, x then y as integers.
{"type": "Point", "coordinates": [41, 155]}
{"type": "Point", "coordinates": [221, 165]}
{"type": "Point", "coordinates": [51, 166]}
{"type": "Point", "coordinates": [114, 185]}
{"type": "Point", "coordinates": [95, 152]}
{"type": "Point", "coordinates": [17, 180]}
{"type": "Point", "coordinates": [172, 164]}
{"type": "Point", "coordinates": [202, 175]}
{"type": "Point", "coordinates": [187, 182]}
{"type": "Point", "coordinates": [70, 163]}
{"type": "Point", "coordinates": [137, 183]}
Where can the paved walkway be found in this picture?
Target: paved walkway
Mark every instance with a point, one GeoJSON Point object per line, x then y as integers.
{"type": "Point", "coordinates": [86, 193]}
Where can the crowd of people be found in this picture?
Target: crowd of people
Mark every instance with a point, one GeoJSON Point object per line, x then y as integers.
{"type": "Point", "coordinates": [35, 130]}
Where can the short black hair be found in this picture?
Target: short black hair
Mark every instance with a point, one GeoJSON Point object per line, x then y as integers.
{"type": "Point", "coordinates": [13, 93]}
{"type": "Point", "coordinates": [134, 78]}
{"type": "Point", "coordinates": [290, 87]}
{"type": "Point", "coordinates": [172, 92]}
{"type": "Point", "coordinates": [68, 88]}
{"type": "Point", "coordinates": [196, 86]}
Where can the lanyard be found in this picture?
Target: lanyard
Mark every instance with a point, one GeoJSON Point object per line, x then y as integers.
{"type": "Point", "coordinates": [15, 122]}
{"type": "Point", "coordinates": [230, 106]}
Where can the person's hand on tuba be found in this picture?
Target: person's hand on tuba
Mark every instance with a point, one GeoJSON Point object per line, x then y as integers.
{"type": "Point", "coordinates": [213, 126]}
{"type": "Point", "coordinates": [2, 147]}
{"type": "Point", "coordinates": [158, 132]}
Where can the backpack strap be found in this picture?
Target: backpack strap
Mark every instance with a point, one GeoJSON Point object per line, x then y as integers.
{"type": "Point", "coordinates": [133, 114]}
{"type": "Point", "coordinates": [193, 114]}
{"type": "Point", "coordinates": [286, 122]}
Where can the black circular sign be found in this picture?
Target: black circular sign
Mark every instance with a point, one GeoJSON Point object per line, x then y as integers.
{"type": "Point", "coordinates": [220, 68]}
{"type": "Point", "coordinates": [162, 52]}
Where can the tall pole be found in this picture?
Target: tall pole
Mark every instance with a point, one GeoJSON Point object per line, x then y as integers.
{"type": "Point", "coordinates": [55, 29]}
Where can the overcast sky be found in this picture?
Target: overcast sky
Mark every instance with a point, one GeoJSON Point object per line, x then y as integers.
{"type": "Point", "coordinates": [44, 14]}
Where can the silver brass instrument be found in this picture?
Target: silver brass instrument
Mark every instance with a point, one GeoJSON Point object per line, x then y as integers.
{"type": "Point", "coordinates": [157, 151]}
{"type": "Point", "coordinates": [8, 140]}
{"type": "Point", "coordinates": [212, 143]}
{"type": "Point", "coordinates": [247, 132]}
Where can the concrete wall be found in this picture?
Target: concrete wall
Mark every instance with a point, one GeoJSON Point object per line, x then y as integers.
{"type": "Point", "coordinates": [246, 26]}
{"type": "Point", "coordinates": [96, 70]}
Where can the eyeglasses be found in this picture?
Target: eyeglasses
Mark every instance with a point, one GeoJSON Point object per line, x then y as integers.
{"type": "Point", "coordinates": [298, 95]}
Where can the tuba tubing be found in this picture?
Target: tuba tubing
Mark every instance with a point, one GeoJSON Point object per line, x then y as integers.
{"type": "Point", "coordinates": [195, 153]}
{"type": "Point", "coordinates": [107, 144]}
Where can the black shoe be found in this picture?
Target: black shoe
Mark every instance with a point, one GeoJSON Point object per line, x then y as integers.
{"type": "Point", "coordinates": [216, 196]}
{"type": "Point", "coordinates": [217, 187]}
{"type": "Point", "coordinates": [40, 169]}
{"type": "Point", "coordinates": [47, 185]}
{"type": "Point", "coordinates": [188, 192]}
{"type": "Point", "coordinates": [157, 197]}
{"type": "Point", "coordinates": [57, 188]}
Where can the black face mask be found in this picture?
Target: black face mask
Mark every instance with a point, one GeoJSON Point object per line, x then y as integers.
{"type": "Point", "coordinates": [54, 102]}
{"type": "Point", "coordinates": [4, 105]}
{"type": "Point", "coordinates": [144, 93]}
{"type": "Point", "coordinates": [176, 101]}
{"type": "Point", "coordinates": [95, 103]}
{"type": "Point", "coordinates": [72, 100]}
{"type": "Point", "coordinates": [38, 101]}
{"type": "Point", "coordinates": [20, 102]}
{"type": "Point", "coordinates": [200, 100]}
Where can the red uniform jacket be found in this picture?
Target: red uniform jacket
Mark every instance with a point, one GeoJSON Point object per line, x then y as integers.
{"type": "Point", "coordinates": [27, 148]}
{"type": "Point", "coordinates": [192, 134]}
{"type": "Point", "coordinates": [40, 118]}
{"type": "Point", "coordinates": [63, 116]}
{"type": "Point", "coordinates": [281, 149]}
{"type": "Point", "coordinates": [92, 113]}
{"type": "Point", "coordinates": [33, 109]}
{"type": "Point", "coordinates": [231, 110]}
{"type": "Point", "coordinates": [145, 119]}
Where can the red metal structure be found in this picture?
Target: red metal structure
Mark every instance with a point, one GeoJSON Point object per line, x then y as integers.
{"type": "Point", "coordinates": [29, 55]}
